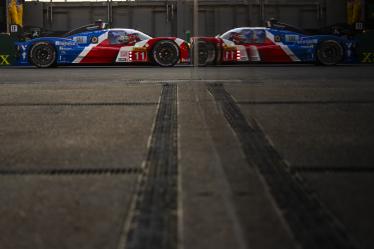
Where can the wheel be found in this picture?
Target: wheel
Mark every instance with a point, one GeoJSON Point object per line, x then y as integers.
{"type": "Point", "coordinates": [165, 53]}
{"type": "Point", "coordinates": [207, 53]}
{"type": "Point", "coordinates": [43, 55]}
{"type": "Point", "coordinates": [329, 53]}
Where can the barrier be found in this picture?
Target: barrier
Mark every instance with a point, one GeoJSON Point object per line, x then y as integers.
{"type": "Point", "coordinates": [7, 50]}
{"type": "Point", "coordinates": [365, 48]}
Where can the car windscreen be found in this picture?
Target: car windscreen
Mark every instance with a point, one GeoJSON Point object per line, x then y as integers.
{"type": "Point", "coordinates": [143, 36]}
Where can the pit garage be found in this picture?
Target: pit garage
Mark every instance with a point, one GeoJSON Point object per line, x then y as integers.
{"type": "Point", "coordinates": [230, 154]}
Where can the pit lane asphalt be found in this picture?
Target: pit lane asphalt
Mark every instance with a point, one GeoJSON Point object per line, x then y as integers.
{"type": "Point", "coordinates": [277, 156]}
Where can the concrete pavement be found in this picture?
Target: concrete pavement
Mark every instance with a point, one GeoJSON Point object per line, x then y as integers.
{"type": "Point", "coordinates": [275, 156]}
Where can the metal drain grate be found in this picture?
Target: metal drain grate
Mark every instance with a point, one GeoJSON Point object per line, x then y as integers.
{"type": "Point", "coordinates": [307, 102]}
{"type": "Point", "coordinates": [75, 171]}
{"type": "Point", "coordinates": [333, 169]}
{"type": "Point", "coordinates": [80, 104]}
{"type": "Point", "coordinates": [311, 223]}
{"type": "Point", "coordinates": [154, 222]}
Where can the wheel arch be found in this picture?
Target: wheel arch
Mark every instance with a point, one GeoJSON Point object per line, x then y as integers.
{"type": "Point", "coordinates": [213, 44]}
{"type": "Point", "coordinates": [157, 41]}
{"type": "Point", "coordinates": [324, 39]}
{"type": "Point", "coordinates": [41, 41]}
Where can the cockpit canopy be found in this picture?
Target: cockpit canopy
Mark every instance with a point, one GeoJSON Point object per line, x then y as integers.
{"type": "Point", "coordinates": [98, 25]}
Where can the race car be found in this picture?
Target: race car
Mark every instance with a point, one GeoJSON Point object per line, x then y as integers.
{"type": "Point", "coordinates": [275, 43]}
{"type": "Point", "coordinates": [98, 44]}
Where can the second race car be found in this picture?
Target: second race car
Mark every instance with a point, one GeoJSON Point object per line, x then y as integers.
{"type": "Point", "coordinates": [98, 44]}
{"type": "Point", "coordinates": [276, 43]}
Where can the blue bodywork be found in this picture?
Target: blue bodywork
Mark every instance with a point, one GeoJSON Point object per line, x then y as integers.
{"type": "Point", "coordinates": [301, 46]}
{"type": "Point", "coordinates": [67, 49]}
{"type": "Point", "coordinates": [305, 47]}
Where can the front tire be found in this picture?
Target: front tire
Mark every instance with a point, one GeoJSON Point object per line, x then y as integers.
{"type": "Point", "coordinates": [166, 53]}
{"type": "Point", "coordinates": [329, 53]}
{"type": "Point", "coordinates": [206, 53]}
{"type": "Point", "coordinates": [42, 55]}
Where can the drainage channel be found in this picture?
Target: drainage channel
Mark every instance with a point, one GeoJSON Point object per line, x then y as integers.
{"type": "Point", "coordinates": [333, 169]}
{"type": "Point", "coordinates": [312, 225]}
{"type": "Point", "coordinates": [307, 102]}
{"type": "Point", "coordinates": [73, 171]}
{"type": "Point", "coordinates": [95, 104]}
{"type": "Point", "coordinates": [153, 221]}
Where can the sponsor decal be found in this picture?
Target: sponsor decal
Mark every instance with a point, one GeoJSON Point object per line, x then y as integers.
{"type": "Point", "coordinates": [13, 28]}
{"type": "Point", "coordinates": [124, 53]}
{"type": "Point", "coordinates": [94, 39]}
{"type": "Point", "coordinates": [306, 47]}
{"type": "Point", "coordinates": [185, 60]}
{"type": "Point", "coordinates": [291, 38]}
{"type": "Point", "coordinates": [139, 49]}
{"type": "Point", "coordinates": [65, 49]}
{"type": "Point", "coordinates": [367, 57]}
{"type": "Point", "coordinates": [124, 56]}
{"type": "Point", "coordinates": [4, 59]}
{"type": "Point", "coordinates": [23, 49]}
{"type": "Point", "coordinates": [277, 38]}
{"type": "Point", "coordinates": [229, 48]}
{"type": "Point", "coordinates": [80, 39]}
{"type": "Point", "coordinates": [359, 26]}
{"type": "Point", "coordinates": [64, 43]}
{"type": "Point", "coordinates": [308, 42]}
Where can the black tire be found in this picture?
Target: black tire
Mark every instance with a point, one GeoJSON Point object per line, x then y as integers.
{"type": "Point", "coordinates": [43, 55]}
{"type": "Point", "coordinates": [207, 53]}
{"type": "Point", "coordinates": [165, 53]}
{"type": "Point", "coordinates": [329, 53]}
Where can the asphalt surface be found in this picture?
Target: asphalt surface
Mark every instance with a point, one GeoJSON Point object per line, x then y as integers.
{"type": "Point", "coordinates": [259, 157]}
